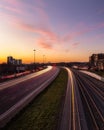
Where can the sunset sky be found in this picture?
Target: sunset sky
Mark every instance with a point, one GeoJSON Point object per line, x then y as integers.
{"type": "Point", "coordinates": [62, 30]}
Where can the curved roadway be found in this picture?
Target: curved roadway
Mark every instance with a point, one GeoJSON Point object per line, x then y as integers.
{"type": "Point", "coordinates": [15, 94]}
{"type": "Point", "coordinates": [84, 103]}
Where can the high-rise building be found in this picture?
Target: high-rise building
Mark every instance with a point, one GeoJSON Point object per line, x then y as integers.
{"type": "Point", "coordinates": [97, 60]}
{"type": "Point", "coordinates": [9, 60]}
{"type": "Point", "coordinates": [13, 61]}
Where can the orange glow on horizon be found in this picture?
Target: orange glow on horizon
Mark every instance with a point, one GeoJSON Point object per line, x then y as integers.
{"type": "Point", "coordinates": [39, 59]}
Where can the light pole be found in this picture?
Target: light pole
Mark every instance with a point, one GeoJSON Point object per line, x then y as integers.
{"type": "Point", "coordinates": [34, 58]}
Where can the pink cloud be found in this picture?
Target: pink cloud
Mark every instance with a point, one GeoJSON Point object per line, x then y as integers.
{"type": "Point", "coordinates": [67, 50]}
{"type": "Point", "coordinates": [43, 31]}
{"type": "Point", "coordinates": [40, 3]}
{"type": "Point", "coordinates": [43, 15]}
{"type": "Point", "coordinates": [80, 32]}
{"type": "Point", "coordinates": [42, 28]}
{"type": "Point", "coordinates": [13, 2]}
{"type": "Point", "coordinates": [44, 43]}
{"type": "Point", "coordinates": [12, 9]}
{"type": "Point", "coordinates": [46, 32]}
{"type": "Point", "coordinates": [95, 38]}
{"type": "Point", "coordinates": [75, 44]}
{"type": "Point", "coordinates": [67, 38]}
{"type": "Point", "coordinates": [72, 35]}
{"type": "Point", "coordinates": [39, 8]}
{"type": "Point", "coordinates": [101, 25]}
{"type": "Point", "coordinates": [11, 18]}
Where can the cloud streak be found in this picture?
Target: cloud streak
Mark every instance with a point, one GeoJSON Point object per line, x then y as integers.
{"type": "Point", "coordinates": [48, 37]}
{"type": "Point", "coordinates": [47, 33]}
{"type": "Point", "coordinates": [12, 9]}
{"type": "Point", "coordinates": [44, 43]}
{"type": "Point", "coordinates": [85, 30]}
{"type": "Point", "coordinates": [43, 31]}
{"type": "Point", "coordinates": [43, 15]}
{"type": "Point", "coordinates": [13, 2]}
{"type": "Point", "coordinates": [43, 28]}
{"type": "Point", "coordinates": [75, 44]}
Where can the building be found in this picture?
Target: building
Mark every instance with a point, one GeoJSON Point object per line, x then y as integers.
{"type": "Point", "coordinates": [13, 61]}
{"type": "Point", "coordinates": [18, 62]}
{"type": "Point", "coordinates": [101, 64]}
{"type": "Point", "coordinates": [9, 60]}
{"type": "Point", "coordinates": [97, 61]}
{"type": "Point", "coordinates": [93, 59]}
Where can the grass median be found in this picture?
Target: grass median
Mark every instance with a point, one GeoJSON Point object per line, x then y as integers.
{"type": "Point", "coordinates": [43, 112]}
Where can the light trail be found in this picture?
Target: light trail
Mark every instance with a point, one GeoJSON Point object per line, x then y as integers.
{"type": "Point", "coordinates": [21, 79]}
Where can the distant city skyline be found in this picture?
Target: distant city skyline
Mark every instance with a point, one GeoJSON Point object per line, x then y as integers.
{"type": "Point", "coordinates": [62, 30]}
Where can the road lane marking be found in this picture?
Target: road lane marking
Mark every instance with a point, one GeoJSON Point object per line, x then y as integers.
{"type": "Point", "coordinates": [16, 81]}
{"type": "Point", "coordinates": [5, 117]}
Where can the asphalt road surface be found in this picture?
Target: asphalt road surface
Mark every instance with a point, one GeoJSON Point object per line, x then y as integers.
{"type": "Point", "coordinates": [16, 90]}
{"type": "Point", "coordinates": [84, 103]}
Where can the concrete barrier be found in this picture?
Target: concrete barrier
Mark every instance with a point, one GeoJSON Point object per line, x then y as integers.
{"type": "Point", "coordinates": [102, 79]}
{"type": "Point", "coordinates": [93, 75]}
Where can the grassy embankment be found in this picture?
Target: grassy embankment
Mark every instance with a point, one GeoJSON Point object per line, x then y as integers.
{"type": "Point", "coordinates": [43, 112]}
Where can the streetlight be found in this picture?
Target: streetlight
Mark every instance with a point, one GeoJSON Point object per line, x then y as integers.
{"type": "Point", "coordinates": [34, 58]}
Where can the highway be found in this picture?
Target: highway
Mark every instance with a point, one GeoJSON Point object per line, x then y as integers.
{"type": "Point", "coordinates": [18, 80]}
{"type": "Point", "coordinates": [17, 93]}
{"type": "Point", "coordinates": [83, 107]}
